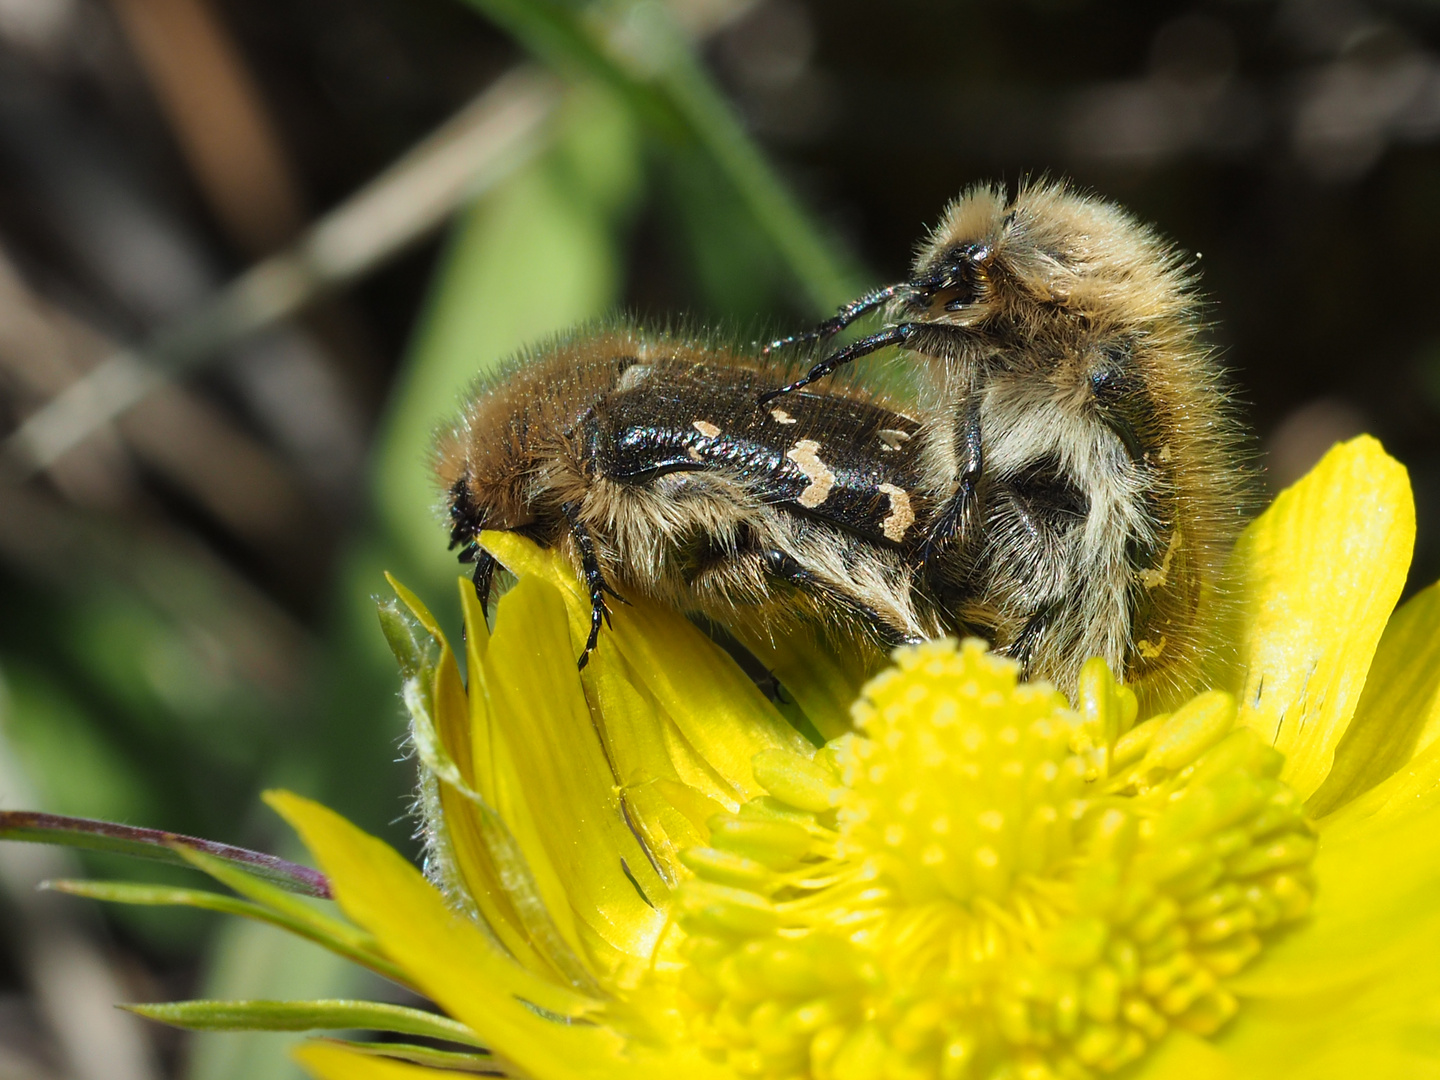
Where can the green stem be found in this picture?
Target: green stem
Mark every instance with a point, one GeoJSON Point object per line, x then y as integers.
{"type": "Point", "coordinates": [156, 844]}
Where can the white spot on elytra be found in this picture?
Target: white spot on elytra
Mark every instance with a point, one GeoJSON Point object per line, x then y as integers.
{"type": "Point", "coordinates": [892, 438]}
{"type": "Point", "coordinates": [693, 454]}
{"type": "Point", "coordinates": [1154, 578]}
{"type": "Point", "coordinates": [782, 417]}
{"type": "Point", "coordinates": [704, 427]}
{"type": "Point", "coordinates": [901, 516]}
{"type": "Point", "coordinates": [805, 454]}
{"type": "Point", "coordinates": [633, 376]}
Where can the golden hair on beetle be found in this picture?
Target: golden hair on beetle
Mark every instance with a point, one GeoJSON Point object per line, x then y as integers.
{"type": "Point", "coordinates": [1089, 450]}
{"type": "Point", "coordinates": [647, 459]}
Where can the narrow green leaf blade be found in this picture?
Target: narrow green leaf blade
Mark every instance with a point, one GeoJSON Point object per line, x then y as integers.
{"type": "Point", "coordinates": [340, 938]}
{"type": "Point", "coordinates": [332, 1015]}
{"type": "Point", "coordinates": [157, 844]}
{"type": "Point", "coordinates": [424, 1055]}
{"type": "Point", "coordinates": [125, 892]}
{"type": "Point", "coordinates": [296, 911]}
{"type": "Point", "coordinates": [666, 84]}
{"type": "Point", "coordinates": [299, 917]}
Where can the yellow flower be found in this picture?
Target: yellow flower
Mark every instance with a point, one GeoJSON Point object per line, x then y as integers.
{"type": "Point", "coordinates": [645, 870]}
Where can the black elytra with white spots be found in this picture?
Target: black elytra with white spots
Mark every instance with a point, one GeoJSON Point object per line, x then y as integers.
{"type": "Point", "coordinates": [851, 462]}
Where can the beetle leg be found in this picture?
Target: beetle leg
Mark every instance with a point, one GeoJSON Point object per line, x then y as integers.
{"type": "Point", "coordinates": [1023, 647]}
{"type": "Point", "coordinates": [954, 516]}
{"type": "Point", "coordinates": [895, 335]}
{"type": "Point", "coordinates": [483, 577]}
{"type": "Point", "coordinates": [847, 314]}
{"type": "Point", "coordinates": [594, 580]}
{"type": "Point", "coordinates": [786, 568]}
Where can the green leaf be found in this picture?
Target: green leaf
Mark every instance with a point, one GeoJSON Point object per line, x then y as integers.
{"type": "Point", "coordinates": [159, 845]}
{"type": "Point", "coordinates": [424, 1055]}
{"type": "Point", "coordinates": [253, 961]}
{"type": "Point", "coordinates": [299, 917]}
{"type": "Point", "coordinates": [658, 74]}
{"type": "Point", "coordinates": [340, 938]}
{"type": "Point", "coordinates": [306, 1016]}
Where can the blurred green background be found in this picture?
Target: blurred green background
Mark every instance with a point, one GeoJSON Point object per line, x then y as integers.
{"type": "Point", "coordinates": [186, 591]}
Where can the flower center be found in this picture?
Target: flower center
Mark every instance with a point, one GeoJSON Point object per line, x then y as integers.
{"type": "Point", "coordinates": [981, 882]}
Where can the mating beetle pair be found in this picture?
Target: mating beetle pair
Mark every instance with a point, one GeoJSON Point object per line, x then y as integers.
{"type": "Point", "coordinates": [1066, 484]}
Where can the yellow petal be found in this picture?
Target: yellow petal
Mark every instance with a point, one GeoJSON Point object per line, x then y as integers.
{"type": "Point", "coordinates": [1183, 1056]}
{"type": "Point", "coordinates": [671, 817]}
{"type": "Point", "coordinates": [823, 677]}
{"type": "Point", "coordinates": [665, 715]}
{"type": "Point", "coordinates": [447, 956]}
{"type": "Point", "coordinates": [488, 882]}
{"type": "Point", "coordinates": [477, 859]}
{"type": "Point", "coordinates": [332, 1061]}
{"type": "Point", "coordinates": [1412, 789]}
{"type": "Point", "coordinates": [662, 778]}
{"type": "Point", "coordinates": [1353, 991]}
{"type": "Point", "coordinates": [1317, 576]}
{"type": "Point", "coordinates": [1398, 716]}
{"type": "Point", "coordinates": [465, 866]}
{"type": "Point", "coordinates": [565, 801]}
{"type": "Point", "coordinates": [1364, 1032]}
{"type": "Point", "coordinates": [1375, 889]}
{"type": "Point", "coordinates": [477, 644]}
{"type": "Point", "coordinates": [451, 713]}
{"type": "Point", "coordinates": [457, 967]}
{"type": "Point", "coordinates": [484, 858]}
{"type": "Point", "coordinates": [714, 705]}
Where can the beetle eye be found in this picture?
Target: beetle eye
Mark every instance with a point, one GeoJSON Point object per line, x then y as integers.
{"type": "Point", "coordinates": [957, 274]}
{"type": "Point", "coordinates": [964, 264]}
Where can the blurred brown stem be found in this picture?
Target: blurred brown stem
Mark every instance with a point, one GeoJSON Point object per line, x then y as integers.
{"type": "Point", "coordinates": [470, 153]}
{"type": "Point", "coordinates": [218, 117]}
{"type": "Point", "coordinates": [241, 483]}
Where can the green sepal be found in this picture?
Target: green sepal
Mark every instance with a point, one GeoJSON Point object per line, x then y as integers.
{"type": "Point", "coordinates": [331, 1015]}
{"type": "Point", "coordinates": [159, 845]}
{"type": "Point", "coordinates": [338, 937]}
{"type": "Point", "coordinates": [417, 654]}
{"type": "Point", "coordinates": [421, 667]}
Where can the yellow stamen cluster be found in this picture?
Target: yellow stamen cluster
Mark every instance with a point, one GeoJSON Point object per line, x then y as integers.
{"type": "Point", "coordinates": [984, 883]}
